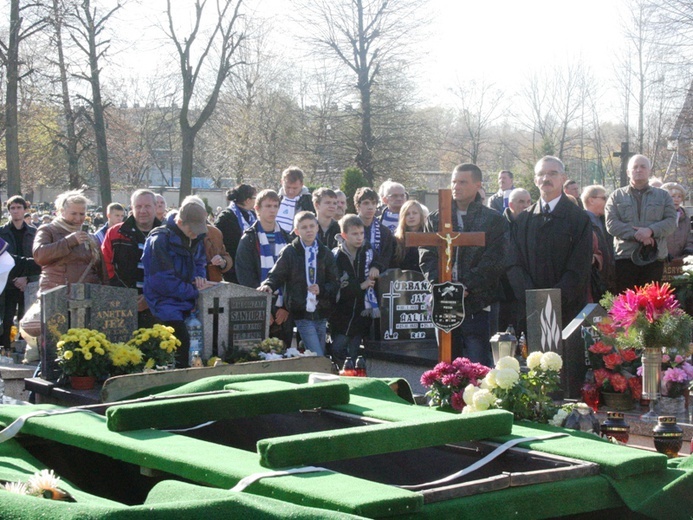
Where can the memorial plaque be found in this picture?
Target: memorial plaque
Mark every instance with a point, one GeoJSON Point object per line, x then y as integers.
{"type": "Point", "coordinates": [232, 316]}
{"type": "Point", "coordinates": [111, 310]}
{"type": "Point", "coordinates": [403, 312]}
{"type": "Point", "coordinates": [448, 305]}
{"type": "Point", "coordinates": [672, 269]}
{"type": "Point", "coordinates": [544, 325]}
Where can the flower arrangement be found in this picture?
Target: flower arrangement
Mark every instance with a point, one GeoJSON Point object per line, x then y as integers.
{"type": "Point", "coordinates": [43, 484]}
{"type": "Point", "coordinates": [615, 369]}
{"type": "Point", "coordinates": [125, 359]}
{"type": "Point", "coordinates": [677, 374]}
{"type": "Point", "coordinates": [157, 344]}
{"type": "Point", "coordinates": [524, 393]}
{"type": "Point", "coordinates": [84, 352]}
{"type": "Point", "coordinates": [268, 349]}
{"type": "Point", "coordinates": [447, 382]}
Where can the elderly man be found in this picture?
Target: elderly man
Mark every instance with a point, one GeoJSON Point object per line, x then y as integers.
{"type": "Point", "coordinates": [122, 249]}
{"type": "Point", "coordinates": [479, 268]}
{"type": "Point", "coordinates": [552, 244]}
{"type": "Point", "coordinates": [640, 218]}
{"type": "Point", "coordinates": [341, 205]}
{"type": "Point", "coordinates": [393, 196]}
{"type": "Point", "coordinates": [518, 201]}
{"type": "Point", "coordinates": [499, 201]}
{"type": "Point", "coordinates": [160, 207]}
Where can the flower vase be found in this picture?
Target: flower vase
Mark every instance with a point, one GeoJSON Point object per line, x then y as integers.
{"type": "Point", "coordinates": [620, 401]}
{"type": "Point", "coordinates": [651, 379]}
{"type": "Point", "coordinates": [672, 406]}
{"type": "Point", "coordinates": [82, 382]}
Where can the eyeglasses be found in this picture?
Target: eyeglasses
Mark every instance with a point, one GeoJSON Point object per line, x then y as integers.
{"type": "Point", "coordinates": [604, 197]}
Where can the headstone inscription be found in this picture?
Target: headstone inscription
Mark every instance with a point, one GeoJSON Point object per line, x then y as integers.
{"type": "Point", "coordinates": [111, 310]}
{"type": "Point", "coordinates": [544, 324]}
{"type": "Point", "coordinates": [403, 312]}
{"type": "Point", "coordinates": [232, 316]}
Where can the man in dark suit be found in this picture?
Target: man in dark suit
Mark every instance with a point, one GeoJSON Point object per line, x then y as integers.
{"type": "Point", "coordinates": [552, 244]}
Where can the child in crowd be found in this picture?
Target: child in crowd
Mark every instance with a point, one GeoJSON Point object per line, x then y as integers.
{"type": "Point", "coordinates": [412, 218]}
{"type": "Point", "coordinates": [307, 272]}
{"type": "Point", "coordinates": [357, 303]}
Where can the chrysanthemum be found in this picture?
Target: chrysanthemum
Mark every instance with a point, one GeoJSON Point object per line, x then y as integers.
{"type": "Point", "coordinates": [44, 480]}
{"type": "Point", "coordinates": [16, 487]}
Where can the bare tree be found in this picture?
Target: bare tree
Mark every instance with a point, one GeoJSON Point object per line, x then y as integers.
{"type": "Point", "coordinates": [363, 36]}
{"type": "Point", "coordinates": [86, 32]}
{"type": "Point", "coordinates": [226, 37]}
{"type": "Point", "coordinates": [9, 56]}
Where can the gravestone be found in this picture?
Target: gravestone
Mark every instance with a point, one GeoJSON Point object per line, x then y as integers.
{"type": "Point", "coordinates": [111, 310]}
{"type": "Point", "coordinates": [574, 355]}
{"type": "Point", "coordinates": [544, 324]}
{"type": "Point", "coordinates": [403, 313]}
{"type": "Point", "coordinates": [232, 316]}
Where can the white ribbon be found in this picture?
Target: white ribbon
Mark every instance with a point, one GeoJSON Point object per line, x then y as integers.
{"type": "Point", "coordinates": [16, 425]}
{"type": "Point", "coordinates": [245, 482]}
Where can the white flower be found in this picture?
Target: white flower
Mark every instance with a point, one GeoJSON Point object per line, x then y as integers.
{"type": "Point", "coordinates": [490, 379]}
{"type": "Point", "coordinates": [468, 394]}
{"type": "Point", "coordinates": [558, 419]}
{"type": "Point", "coordinates": [534, 360]}
{"type": "Point", "coordinates": [483, 384]}
{"type": "Point", "coordinates": [483, 399]}
{"type": "Point", "coordinates": [270, 356]}
{"type": "Point", "coordinates": [42, 481]}
{"type": "Point", "coordinates": [508, 362]}
{"type": "Point", "coordinates": [506, 378]}
{"type": "Point", "coordinates": [292, 352]}
{"type": "Point", "coordinates": [551, 361]}
{"type": "Point", "coordinates": [309, 353]}
{"type": "Point", "coordinates": [469, 409]}
{"type": "Point", "coordinates": [16, 487]}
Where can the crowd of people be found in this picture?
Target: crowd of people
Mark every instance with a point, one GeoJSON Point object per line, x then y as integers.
{"type": "Point", "coordinates": [321, 264]}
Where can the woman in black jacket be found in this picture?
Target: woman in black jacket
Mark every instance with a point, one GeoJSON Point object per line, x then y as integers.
{"type": "Point", "coordinates": [234, 220]}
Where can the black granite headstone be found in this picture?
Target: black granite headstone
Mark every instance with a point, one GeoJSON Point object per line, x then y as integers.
{"type": "Point", "coordinates": [403, 313]}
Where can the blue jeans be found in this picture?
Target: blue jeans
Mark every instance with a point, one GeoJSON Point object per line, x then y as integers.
{"type": "Point", "coordinates": [471, 339]}
{"type": "Point", "coordinates": [343, 346]}
{"type": "Point", "coordinates": [313, 334]}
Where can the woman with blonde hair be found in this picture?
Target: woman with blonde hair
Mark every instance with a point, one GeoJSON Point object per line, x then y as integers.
{"type": "Point", "coordinates": [66, 253]}
{"type": "Point", "coordinates": [680, 242]}
{"type": "Point", "coordinates": [412, 218]}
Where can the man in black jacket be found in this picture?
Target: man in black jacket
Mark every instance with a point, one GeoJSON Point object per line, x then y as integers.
{"type": "Point", "coordinates": [478, 267]}
{"type": "Point", "coordinates": [552, 244]}
{"type": "Point", "coordinates": [20, 239]}
{"type": "Point", "coordinates": [295, 198]}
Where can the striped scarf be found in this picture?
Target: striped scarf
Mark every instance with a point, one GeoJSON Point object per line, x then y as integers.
{"type": "Point", "coordinates": [287, 210]}
{"type": "Point", "coordinates": [311, 273]}
{"type": "Point", "coordinates": [370, 299]}
{"type": "Point", "coordinates": [269, 253]}
{"type": "Point", "coordinates": [389, 219]}
{"type": "Point", "coordinates": [242, 221]}
{"type": "Point", "coordinates": [374, 235]}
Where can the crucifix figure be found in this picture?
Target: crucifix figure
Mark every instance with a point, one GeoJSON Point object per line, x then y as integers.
{"type": "Point", "coordinates": [445, 240]}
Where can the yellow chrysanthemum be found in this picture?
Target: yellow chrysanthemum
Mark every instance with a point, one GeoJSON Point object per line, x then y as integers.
{"type": "Point", "coordinates": [68, 355]}
{"type": "Point", "coordinates": [87, 356]}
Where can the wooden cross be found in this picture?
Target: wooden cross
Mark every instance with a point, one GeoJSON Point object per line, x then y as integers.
{"type": "Point", "coordinates": [444, 241]}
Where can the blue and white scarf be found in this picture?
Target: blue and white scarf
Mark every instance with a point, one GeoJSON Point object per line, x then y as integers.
{"type": "Point", "coordinates": [311, 273]}
{"type": "Point", "coordinates": [245, 224]}
{"type": "Point", "coordinates": [389, 219]}
{"type": "Point", "coordinates": [269, 254]}
{"type": "Point", "coordinates": [374, 235]}
{"type": "Point", "coordinates": [370, 299]}
{"type": "Point", "coordinates": [287, 210]}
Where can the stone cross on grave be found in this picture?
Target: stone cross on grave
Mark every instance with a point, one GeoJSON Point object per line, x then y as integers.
{"type": "Point", "coordinates": [444, 241]}
{"type": "Point", "coordinates": [392, 295]}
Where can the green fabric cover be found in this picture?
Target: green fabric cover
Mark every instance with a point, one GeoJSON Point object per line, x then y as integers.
{"type": "Point", "coordinates": [361, 441]}
{"type": "Point", "coordinates": [248, 399]}
{"type": "Point", "coordinates": [214, 465]}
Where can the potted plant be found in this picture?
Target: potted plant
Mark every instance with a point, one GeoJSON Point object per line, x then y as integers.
{"type": "Point", "coordinates": [158, 345]}
{"type": "Point", "coordinates": [83, 357]}
{"type": "Point", "coordinates": [125, 359]}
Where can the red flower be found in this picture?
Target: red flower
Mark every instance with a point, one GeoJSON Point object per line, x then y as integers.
{"type": "Point", "coordinates": [613, 360]}
{"type": "Point", "coordinates": [618, 382]}
{"type": "Point", "coordinates": [628, 355]}
{"type": "Point", "coordinates": [635, 385]}
{"type": "Point", "coordinates": [606, 327]}
{"type": "Point", "coordinates": [600, 375]}
{"type": "Point", "coordinates": [600, 348]}
{"type": "Point", "coordinates": [457, 401]}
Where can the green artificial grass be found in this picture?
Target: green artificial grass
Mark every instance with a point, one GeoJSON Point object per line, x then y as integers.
{"type": "Point", "coordinates": [245, 399]}
{"type": "Point", "coordinates": [361, 441]}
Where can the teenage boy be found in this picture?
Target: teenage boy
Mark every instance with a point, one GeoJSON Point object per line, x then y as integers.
{"type": "Point", "coordinates": [325, 202]}
{"type": "Point", "coordinates": [378, 235]}
{"type": "Point", "coordinates": [357, 303]}
{"type": "Point", "coordinates": [115, 213]}
{"type": "Point", "coordinates": [307, 272]}
{"type": "Point", "coordinates": [257, 252]}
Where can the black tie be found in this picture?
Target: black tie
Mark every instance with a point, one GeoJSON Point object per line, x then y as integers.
{"type": "Point", "coordinates": [547, 209]}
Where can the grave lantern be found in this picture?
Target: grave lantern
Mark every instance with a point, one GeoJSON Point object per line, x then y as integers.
{"type": "Point", "coordinates": [503, 344]}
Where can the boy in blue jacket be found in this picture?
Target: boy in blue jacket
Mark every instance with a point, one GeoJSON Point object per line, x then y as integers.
{"type": "Point", "coordinates": [174, 264]}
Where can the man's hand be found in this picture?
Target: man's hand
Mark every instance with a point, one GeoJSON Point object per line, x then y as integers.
{"type": "Point", "coordinates": [266, 289]}
{"type": "Point", "coordinates": [202, 283]}
{"type": "Point", "coordinates": [141, 303]}
{"type": "Point", "coordinates": [281, 316]}
{"type": "Point", "coordinates": [314, 289]}
{"type": "Point", "coordinates": [644, 235]}
{"type": "Point", "coordinates": [373, 273]}
{"type": "Point", "coordinates": [219, 261]}
{"type": "Point", "coordinates": [367, 284]}
{"type": "Point", "coordinates": [20, 283]}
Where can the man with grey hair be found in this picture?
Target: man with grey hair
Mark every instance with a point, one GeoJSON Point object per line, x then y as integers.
{"type": "Point", "coordinates": [594, 199]}
{"type": "Point", "coordinates": [640, 217]}
{"type": "Point", "coordinates": [122, 249]}
{"type": "Point", "coordinates": [393, 196]}
{"type": "Point", "coordinates": [552, 244]}
{"type": "Point", "coordinates": [160, 207]}
{"type": "Point", "coordinates": [518, 201]}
